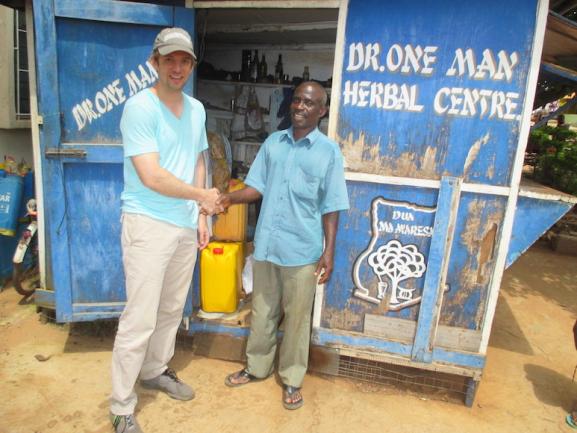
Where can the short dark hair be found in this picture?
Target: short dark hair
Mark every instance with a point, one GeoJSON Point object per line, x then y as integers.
{"type": "Point", "coordinates": [324, 95]}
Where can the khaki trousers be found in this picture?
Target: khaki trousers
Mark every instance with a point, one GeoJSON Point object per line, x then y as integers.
{"type": "Point", "coordinates": [277, 290]}
{"type": "Point", "coordinates": [158, 259]}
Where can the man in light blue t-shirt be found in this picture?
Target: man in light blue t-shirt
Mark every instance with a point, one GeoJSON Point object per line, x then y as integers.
{"type": "Point", "coordinates": [299, 174]}
{"type": "Point", "coordinates": [164, 136]}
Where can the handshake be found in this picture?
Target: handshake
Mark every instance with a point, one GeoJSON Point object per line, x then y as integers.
{"type": "Point", "coordinates": [213, 202]}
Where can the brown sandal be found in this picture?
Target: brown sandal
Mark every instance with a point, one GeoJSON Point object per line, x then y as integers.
{"type": "Point", "coordinates": [288, 395]}
{"type": "Point", "coordinates": [241, 374]}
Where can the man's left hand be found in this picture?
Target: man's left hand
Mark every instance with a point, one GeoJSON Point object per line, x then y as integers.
{"type": "Point", "coordinates": [324, 268]}
{"type": "Point", "coordinates": [203, 235]}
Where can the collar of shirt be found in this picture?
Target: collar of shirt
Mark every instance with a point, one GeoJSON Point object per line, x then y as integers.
{"type": "Point", "coordinates": [307, 141]}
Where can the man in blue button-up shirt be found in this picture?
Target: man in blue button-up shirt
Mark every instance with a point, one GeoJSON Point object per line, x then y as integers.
{"type": "Point", "coordinates": [299, 174]}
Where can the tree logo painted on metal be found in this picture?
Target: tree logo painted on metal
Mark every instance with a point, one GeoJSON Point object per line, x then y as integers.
{"type": "Point", "coordinates": [397, 250]}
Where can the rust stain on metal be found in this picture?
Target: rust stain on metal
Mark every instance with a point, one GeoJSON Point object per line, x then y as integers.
{"type": "Point", "coordinates": [490, 173]}
{"type": "Point", "coordinates": [479, 224]}
{"type": "Point", "coordinates": [364, 156]}
{"type": "Point", "coordinates": [486, 252]}
{"type": "Point", "coordinates": [354, 154]}
{"type": "Point", "coordinates": [346, 319]}
{"type": "Point", "coordinates": [478, 237]}
{"type": "Point", "coordinates": [428, 162]}
{"type": "Point", "coordinates": [405, 164]}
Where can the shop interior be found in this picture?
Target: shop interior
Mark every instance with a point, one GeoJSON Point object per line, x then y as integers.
{"type": "Point", "coordinates": [250, 60]}
{"type": "Point", "coordinates": [287, 42]}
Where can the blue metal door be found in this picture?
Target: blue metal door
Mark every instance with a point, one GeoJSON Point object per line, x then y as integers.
{"type": "Point", "coordinates": [91, 57]}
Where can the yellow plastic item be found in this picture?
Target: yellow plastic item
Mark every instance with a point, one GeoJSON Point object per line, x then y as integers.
{"type": "Point", "coordinates": [220, 266]}
{"type": "Point", "coordinates": [231, 226]}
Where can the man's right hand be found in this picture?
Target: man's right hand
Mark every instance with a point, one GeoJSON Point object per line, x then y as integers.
{"type": "Point", "coordinates": [208, 204]}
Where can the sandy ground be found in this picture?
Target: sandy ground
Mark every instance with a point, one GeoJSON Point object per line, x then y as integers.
{"type": "Point", "coordinates": [55, 378]}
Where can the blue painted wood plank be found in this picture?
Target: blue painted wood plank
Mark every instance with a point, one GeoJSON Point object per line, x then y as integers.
{"type": "Point", "coordinates": [399, 119]}
{"type": "Point", "coordinates": [533, 217]}
{"type": "Point", "coordinates": [326, 337]}
{"type": "Point", "coordinates": [113, 308]}
{"type": "Point", "coordinates": [472, 386]}
{"type": "Point", "coordinates": [49, 106]}
{"type": "Point", "coordinates": [45, 298]}
{"type": "Point", "coordinates": [206, 327]}
{"type": "Point", "coordinates": [357, 229]}
{"type": "Point", "coordinates": [463, 359]}
{"type": "Point", "coordinates": [439, 255]}
{"type": "Point", "coordinates": [115, 11]}
{"type": "Point", "coordinates": [472, 254]}
{"type": "Point", "coordinates": [109, 154]}
{"type": "Point", "coordinates": [90, 317]}
{"type": "Point", "coordinates": [89, 63]}
{"type": "Point", "coordinates": [93, 205]}
{"type": "Point", "coordinates": [557, 70]}
{"type": "Point", "coordinates": [103, 65]}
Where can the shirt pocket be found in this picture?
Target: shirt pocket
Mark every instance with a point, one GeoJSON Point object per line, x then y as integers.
{"type": "Point", "coordinates": [304, 185]}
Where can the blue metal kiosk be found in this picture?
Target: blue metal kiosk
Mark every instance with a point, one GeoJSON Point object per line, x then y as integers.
{"type": "Point", "coordinates": [432, 114]}
{"type": "Point", "coordinates": [431, 104]}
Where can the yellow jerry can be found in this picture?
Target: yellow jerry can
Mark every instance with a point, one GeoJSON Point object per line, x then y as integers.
{"type": "Point", "coordinates": [220, 267]}
{"type": "Point", "coordinates": [231, 226]}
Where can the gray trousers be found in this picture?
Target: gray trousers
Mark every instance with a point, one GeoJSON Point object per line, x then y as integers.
{"type": "Point", "coordinates": [277, 290]}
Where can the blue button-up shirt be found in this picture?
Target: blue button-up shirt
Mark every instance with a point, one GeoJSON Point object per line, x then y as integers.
{"type": "Point", "coordinates": [299, 181]}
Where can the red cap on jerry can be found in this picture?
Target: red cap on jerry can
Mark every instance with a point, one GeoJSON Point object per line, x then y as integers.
{"type": "Point", "coordinates": [218, 250]}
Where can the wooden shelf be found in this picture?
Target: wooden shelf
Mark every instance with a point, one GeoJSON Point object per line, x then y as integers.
{"type": "Point", "coordinates": [246, 83]}
{"type": "Point", "coordinates": [241, 83]}
{"type": "Point", "coordinates": [227, 114]}
{"type": "Point", "coordinates": [247, 143]}
{"type": "Point", "coordinates": [220, 113]}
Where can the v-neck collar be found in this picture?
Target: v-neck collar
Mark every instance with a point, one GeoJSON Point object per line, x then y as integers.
{"type": "Point", "coordinates": [168, 110]}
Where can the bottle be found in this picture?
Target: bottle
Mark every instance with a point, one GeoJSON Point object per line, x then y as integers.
{"type": "Point", "coordinates": [245, 69]}
{"type": "Point", "coordinates": [278, 72]}
{"type": "Point", "coordinates": [254, 67]}
{"type": "Point", "coordinates": [263, 69]}
{"type": "Point", "coordinates": [306, 75]}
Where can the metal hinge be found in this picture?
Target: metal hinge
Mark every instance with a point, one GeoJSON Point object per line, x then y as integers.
{"type": "Point", "coordinates": [65, 153]}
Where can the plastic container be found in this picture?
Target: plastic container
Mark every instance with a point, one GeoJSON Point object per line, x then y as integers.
{"type": "Point", "coordinates": [231, 226]}
{"type": "Point", "coordinates": [220, 267]}
{"type": "Point", "coordinates": [10, 198]}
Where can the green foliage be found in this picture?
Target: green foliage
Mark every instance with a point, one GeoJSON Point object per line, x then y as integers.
{"type": "Point", "coordinates": [556, 163]}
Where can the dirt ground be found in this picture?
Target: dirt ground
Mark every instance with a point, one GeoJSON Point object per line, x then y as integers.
{"type": "Point", "coordinates": [55, 378]}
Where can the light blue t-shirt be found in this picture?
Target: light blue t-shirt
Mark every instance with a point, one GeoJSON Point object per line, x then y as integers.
{"type": "Point", "coordinates": [148, 126]}
{"type": "Point", "coordinates": [300, 181]}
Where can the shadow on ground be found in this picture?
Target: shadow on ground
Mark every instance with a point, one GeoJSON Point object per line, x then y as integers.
{"type": "Point", "coordinates": [506, 333]}
{"type": "Point", "coordinates": [550, 274]}
{"type": "Point", "coordinates": [96, 336]}
{"type": "Point", "coordinates": [552, 388]}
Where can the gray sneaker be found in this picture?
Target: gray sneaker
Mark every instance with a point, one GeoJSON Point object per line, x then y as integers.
{"type": "Point", "coordinates": [169, 383]}
{"type": "Point", "coordinates": [125, 424]}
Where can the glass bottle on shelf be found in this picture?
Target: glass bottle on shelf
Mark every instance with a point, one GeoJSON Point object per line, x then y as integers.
{"type": "Point", "coordinates": [306, 75]}
{"type": "Point", "coordinates": [254, 67]}
{"type": "Point", "coordinates": [263, 69]}
{"type": "Point", "coordinates": [245, 67]}
{"type": "Point", "coordinates": [278, 72]}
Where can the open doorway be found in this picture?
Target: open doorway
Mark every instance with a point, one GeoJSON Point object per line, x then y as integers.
{"type": "Point", "coordinates": [286, 45]}
{"type": "Point", "coordinates": [250, 61]}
